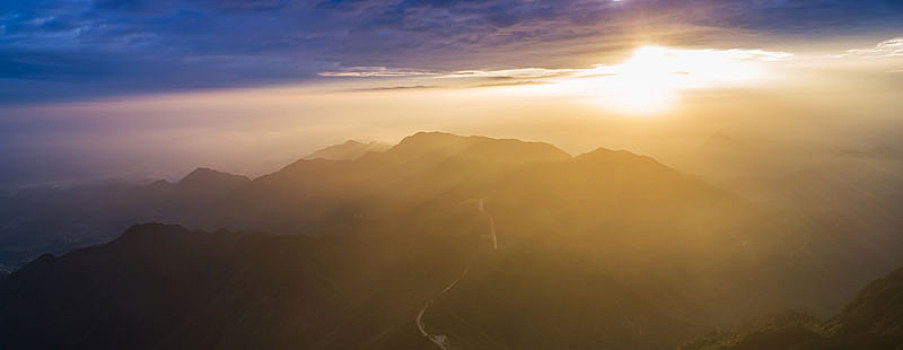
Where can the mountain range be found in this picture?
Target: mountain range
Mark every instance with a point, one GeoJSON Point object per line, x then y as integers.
{"type": "Point", "coordinates": [475, 242]}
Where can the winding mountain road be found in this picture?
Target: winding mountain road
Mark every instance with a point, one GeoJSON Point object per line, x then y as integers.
{"type": "Point", "coordinates": [441, 340]}
{"type": "Point", "coordinates": [495, 242]}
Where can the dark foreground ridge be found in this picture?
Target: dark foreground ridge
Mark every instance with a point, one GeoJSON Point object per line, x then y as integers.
{"type": "Point", "coordinates": [873, 320]}
{"type": "Point", "coordinates": [163, 286]}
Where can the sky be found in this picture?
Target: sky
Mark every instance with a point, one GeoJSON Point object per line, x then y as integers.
{"type": "Point", "coordinates": [70, 49]}
{"type": "Point", "coordinates": [142, 88]}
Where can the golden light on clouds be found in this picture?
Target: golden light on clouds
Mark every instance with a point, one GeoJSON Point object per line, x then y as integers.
{"type": "Point", "coordinates": [649, 81]}
{"type": "Point", "coordinates": [652, 78]}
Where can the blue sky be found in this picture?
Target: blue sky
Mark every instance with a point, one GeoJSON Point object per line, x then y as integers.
{"type": "Point", "coordinates": [59, 50]}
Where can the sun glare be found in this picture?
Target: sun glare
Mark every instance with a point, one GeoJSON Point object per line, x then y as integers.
{"type": "Point", "coordinates": [652, 79]}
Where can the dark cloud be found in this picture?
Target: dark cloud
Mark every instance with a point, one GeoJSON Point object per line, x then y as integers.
{"type": "Point", "coordinates": [47, 66]}
{"type": "Point", "coordinates": [139, 45]}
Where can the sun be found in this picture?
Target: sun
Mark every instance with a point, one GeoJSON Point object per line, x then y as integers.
{"type": "Point", "coordinates": [653, 78]}
{"type": "Point", "coordinates": [644, 84]}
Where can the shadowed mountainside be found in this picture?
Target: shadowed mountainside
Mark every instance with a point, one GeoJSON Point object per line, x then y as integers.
{"type": "Point", "coordinates": [606, 249]}
{"type": "Point", "coordinates": [873, 320]}
{"type": "Point", "coordinates": [161, 286]}
{"type": "Point", "coordinates": [851, 199]}
{"type": "Point", "coordinates": [56, 220]}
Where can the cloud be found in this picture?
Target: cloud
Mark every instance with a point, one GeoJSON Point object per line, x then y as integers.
{"type": "Point", "coordinates": [885, 49]}
{"type": "Point", "coordinates": [376, 72]}
{"type": "Point", "coordinates": [705, 66]}
{"type": "Point", "coordinates": [396, 88]}
{"type": "Point", "coordinates": [157, 44]}
{"type": "Point", "coordinates": [47, 66]}
{"type": "Point", "coordinates": [514, 83]}
{"type": "Point", "coordinates": [384, 72]}
{"type": "Point", "coordinates": [521, 73]}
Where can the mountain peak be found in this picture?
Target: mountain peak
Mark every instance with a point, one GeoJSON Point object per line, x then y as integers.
{"type": "Point", "coordinates": [476, 147]}
{"type": "Point", "coordinates": [206, 179]}
{"type": "Point", "coordinates": [719, 137]}
{"type": "Point", "coordinates": [608, 158]}
{"type": "Point", "coordinates": [203, 173]}
{"type": "Point", "coordinates": [610, 154]}
{"type": "Point", "coordinates": [349, 150]}
{"type": "Point", "coordinates": [884, 151]}
{"type": "Point", "coordinates": [142, 231]}
{"type": "Point", "coordinates": [433, 139]}
{"type": "Point", "coordinates": [721, 140]}
{"type": "Point", "coordinates": [877, 152]}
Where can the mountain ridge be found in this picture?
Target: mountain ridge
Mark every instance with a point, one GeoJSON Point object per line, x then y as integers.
{"type": "Point", "coordinates": [349, 150]}
{"type": "Point", "coordinates": [203, 178]}
{"type": "Point", "coordinates": [877, 152]}
{"type": "Point", "coordinates": [873, 319]}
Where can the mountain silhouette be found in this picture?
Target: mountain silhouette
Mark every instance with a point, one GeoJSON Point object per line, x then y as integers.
{"type": "Point", "coordinates": [165, 286]}
{"type": "Point", "coordinates": [608, 249]}
{"type": "Point", "coordinates": [877, 312]}
{"type": "Point", "coordinates": [349, 150]}
{"type": "Point", "coordinates": [872, 320]}
{"type": "Point", "coordinates": [877, 152]}
{"type": "Point", "coordinates": [720, 139]}
{"type": "Point", "coordinates": [206, 180]}
{"type": "Point", "coordinates": [440, 145]}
